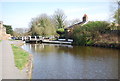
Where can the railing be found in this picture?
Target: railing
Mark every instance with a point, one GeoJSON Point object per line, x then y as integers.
{"type": "Point", "coordinates": [32, 38]}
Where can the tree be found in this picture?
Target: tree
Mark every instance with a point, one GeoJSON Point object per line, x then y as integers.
{"type": "Point", "coordinates": [9, 29]}
{"type": "Point", "coordinates": [20, 31]}
{"type": "Point", "coordinates": [59, 18]}
{"type": "Point", "coordinates": [74, 21]}
{"type": "Point", "coordinates": [117, 14]}
{"type": "Point", "coordinates": [42, 25]}
{"type": "Point", "coordinates": [15, 34]}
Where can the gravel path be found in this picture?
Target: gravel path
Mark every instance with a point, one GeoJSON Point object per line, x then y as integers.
{"type": "Point", "coordinates": [9, 70]}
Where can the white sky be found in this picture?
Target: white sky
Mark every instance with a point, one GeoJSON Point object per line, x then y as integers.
{"type": "Point", "coordinates": [58, 0]}
{"type": "Point", "coordinates": [18, 13]}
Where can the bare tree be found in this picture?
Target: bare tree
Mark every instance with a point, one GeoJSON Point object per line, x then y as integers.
{"type": "Point", "coordinates": [59, 18]}
{"type": "Point", "coordinates": [74, 21]}
{"type": "Point", "coordinates": [20, 31]}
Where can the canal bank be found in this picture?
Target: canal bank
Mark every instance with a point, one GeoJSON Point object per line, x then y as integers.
{"type": "Point", "coordinates": [105, 45]}
{"type": "Point", "coordinates": [102, 40]}
{"type": "Point", "coordinates": [114, 44]}
{"type": "Point", "coordinates": [20, 58]}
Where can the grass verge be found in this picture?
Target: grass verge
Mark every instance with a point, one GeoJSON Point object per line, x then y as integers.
{"type": "Point", "coordinates": [21, 57]}
{"type": "Point", "coordinates": [11, 40]}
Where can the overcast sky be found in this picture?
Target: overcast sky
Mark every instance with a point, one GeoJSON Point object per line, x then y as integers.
{"type": "Point", "coordinates": [19, 13]}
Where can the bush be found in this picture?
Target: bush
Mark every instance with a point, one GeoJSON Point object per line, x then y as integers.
{"type": "Point", "coordinates": [79, 40]}
{"type": "Point", "coordinates": [79, 36]}
{"type": "Point", "coordinates": [87, 33]}
{"type": "Point", "coordinates": [90, 42]}
{"type": "Point", "coordinates": [61, 30]}
{"type": "Point", "coordinates": [99, 26]}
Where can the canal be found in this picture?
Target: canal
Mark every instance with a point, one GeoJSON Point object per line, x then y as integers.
{"type": "Point", "coordinates": [55, 61]}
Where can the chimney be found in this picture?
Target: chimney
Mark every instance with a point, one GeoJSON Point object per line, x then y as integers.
{"type": "Point", "coordinates": [85, 18]}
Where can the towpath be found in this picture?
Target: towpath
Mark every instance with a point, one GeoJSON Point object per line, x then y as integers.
{"type": "Point", "coordinates": [0, 60]}
{"type": "Point", "coordinates": [9, 70]}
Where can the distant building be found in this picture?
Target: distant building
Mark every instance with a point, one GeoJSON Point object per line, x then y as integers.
{"type": "Point", "coordinates": [69, 29]}
{"type": "Point", "coordinates": [84, 20]}
{"type": "Point", "coordinates": [3, 34]}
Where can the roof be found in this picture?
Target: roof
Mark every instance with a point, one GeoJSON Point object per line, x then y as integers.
{"type": "Point", "coordinates": [80, 23]}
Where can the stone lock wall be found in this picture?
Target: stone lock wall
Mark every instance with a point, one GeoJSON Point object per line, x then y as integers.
{"type": "Point", "coordinates": [3, 35]}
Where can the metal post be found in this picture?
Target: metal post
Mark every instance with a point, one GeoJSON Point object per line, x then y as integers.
{"type": "Point", "coordinates": [40, 37]}
{"type": "Point", "coordinates": [35, 38]}
{"type": "Point", "coordinates": [22, 38]}
{"type": "Point", "coordinates": [30, 37]}
{"type": "Point", "coordinates": [25, 38]}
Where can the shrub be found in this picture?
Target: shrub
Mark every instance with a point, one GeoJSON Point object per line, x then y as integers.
{"type": "Point", "coordinates": [79, 39]}
{"type": "Point", "coordinates": [61, 30]}
{"type": "Point", "coordinates": [93, 26]}
{"type": "Point", "coordinates": [90, 42]}
{"type": "Point", "coordinates": [87, 33]}
{"type": "Point", "coordinates": [79, 36]}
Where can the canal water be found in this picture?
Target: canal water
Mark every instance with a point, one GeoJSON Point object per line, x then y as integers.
{"type": "Point", "coordinates": [55, 61]}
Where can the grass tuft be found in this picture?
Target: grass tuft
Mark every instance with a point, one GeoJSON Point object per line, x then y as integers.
{"type": "Point", "coordinates": [21, 57]}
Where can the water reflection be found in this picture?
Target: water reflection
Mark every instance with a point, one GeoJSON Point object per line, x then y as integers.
{"type": "Point", "coordinates": [53, 61]}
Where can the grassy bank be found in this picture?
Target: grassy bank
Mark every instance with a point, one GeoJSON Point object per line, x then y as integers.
{"type": "Point", "coordinates": [0, 40]}
{"type": "Point", "coordinates": [21, 57]}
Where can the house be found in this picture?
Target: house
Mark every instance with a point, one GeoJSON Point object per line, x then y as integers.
{"type": "Point", "coordinates": [69, 29]}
